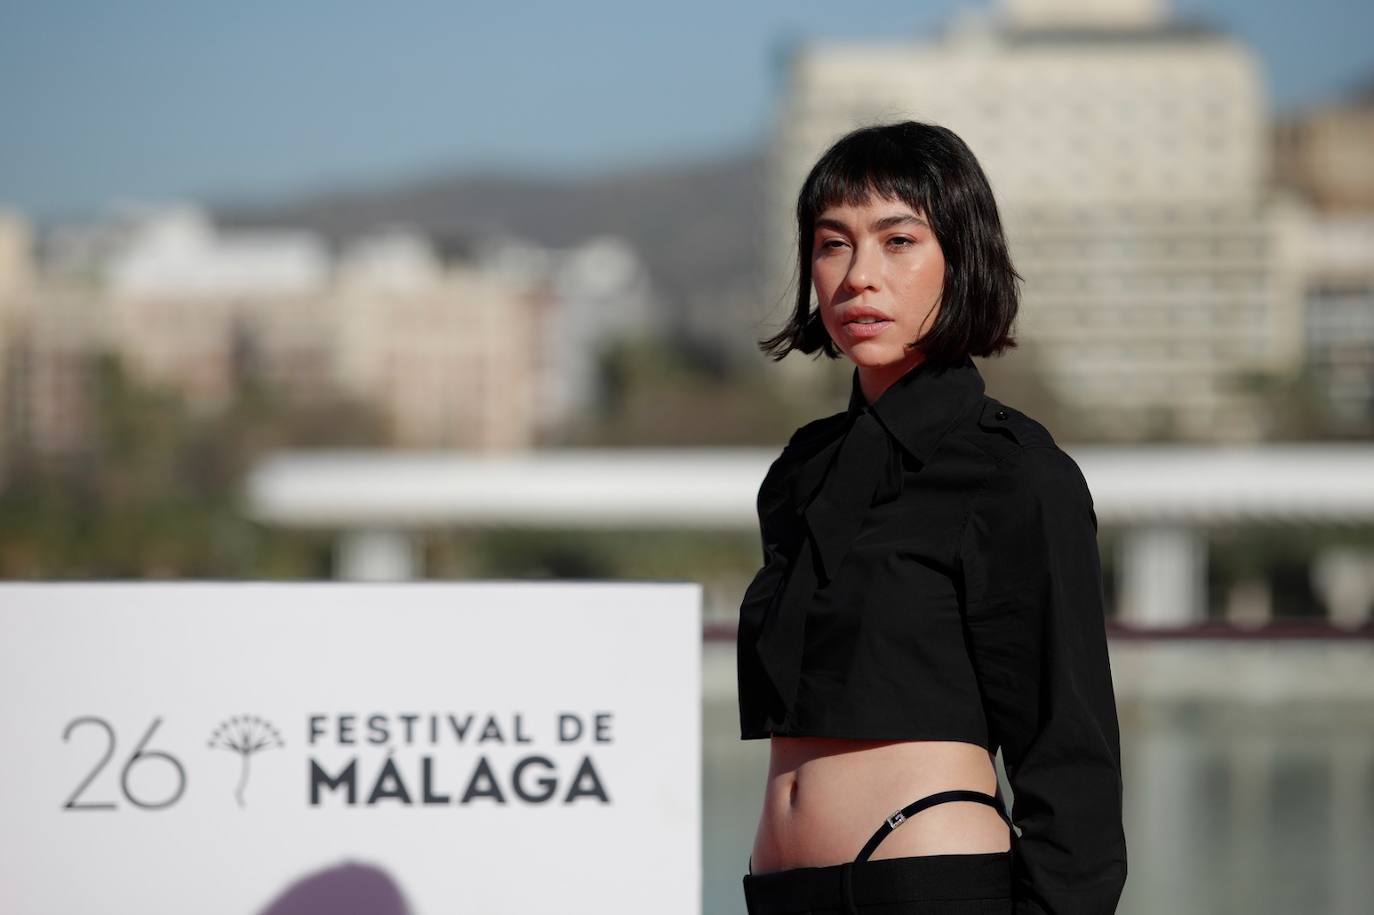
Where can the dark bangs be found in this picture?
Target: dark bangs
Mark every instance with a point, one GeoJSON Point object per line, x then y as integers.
{"type": "Point", "coordinates": [871, 165]}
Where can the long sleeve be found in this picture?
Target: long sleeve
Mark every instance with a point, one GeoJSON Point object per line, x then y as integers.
{"type": "Point", "coordinates": [780, 526]}
{"type": "Point", "coordinates": [771, 505]}
{"type": "Point", "coordinates": [1037, 638]}
{"type": "Point", "coordinates": [777, 530]}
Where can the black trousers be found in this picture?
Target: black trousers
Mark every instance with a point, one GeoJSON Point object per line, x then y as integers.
{"type": "Point", "coordinates": [971, 884]}
{"type": "Point", "coordinates": [958, 884]}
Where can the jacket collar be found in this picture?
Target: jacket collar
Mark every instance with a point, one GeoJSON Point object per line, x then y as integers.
{"type": "Point", "coordinates": [919, 408]}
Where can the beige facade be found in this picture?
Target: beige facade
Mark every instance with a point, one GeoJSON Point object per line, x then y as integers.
{"type": "Point", "coordinates": [16, 259]}
{"type": "Point", "coordinates": [16, 290]}
{"type": "Point", "coordinates": [1327, 155]}
{"type": "Point", "coordinates": [196, 309]}
{"type": "Point", "coordinates": [451, 355]}
{"type": "Point", "coordinates": [204, 346]}
{"type": "Point", "coordinates": [50, 372]}
{"type": "Point", "coordinates": [446, 354]}
{"type": "Point", "coordinates": [1129, 157]}
{"type": "Point", "coordinates": [1077, 13]}
{"type": "Point", "coordinates": [454, 362]}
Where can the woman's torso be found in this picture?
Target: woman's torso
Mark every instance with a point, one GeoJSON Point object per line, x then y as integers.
{"type": "Point", "coordinates": [826, 796]}
{"type": "Point", "coordinates": [862, 630]}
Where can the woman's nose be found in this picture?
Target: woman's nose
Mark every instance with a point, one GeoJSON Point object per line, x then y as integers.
{"type": "Point", "coordinates": [862, 270]}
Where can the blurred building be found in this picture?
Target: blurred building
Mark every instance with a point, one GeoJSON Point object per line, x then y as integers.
{"type": "Point", "coordinates": [1325, 156]}
{"type": "Point", "coordinates": [16, 257]}
{"type": "Point", "coordinates": [452, 353]}
{"type": "Point", "coordinates": [47, 332]}
{"type": "Point", "coordinates": [50, 382]}
{"type": "Point", "coordinates": [1339, 290]}
{"type": "Point", "coordinates": [595, 294]}
{"type": "Point", "coordinates": [16, 287]}
{"type": "Point", "coordinates": [1129, 154]}
{"type": "Point", "coordinates": [195, 308]}
{"type": "Point", "coordinates": [1327, 153]}
{"type": "Point", "coordinates": [161, 290]}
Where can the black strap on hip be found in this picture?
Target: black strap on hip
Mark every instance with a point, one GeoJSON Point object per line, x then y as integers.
{"type": "Point", "coordinates": [899, 816]}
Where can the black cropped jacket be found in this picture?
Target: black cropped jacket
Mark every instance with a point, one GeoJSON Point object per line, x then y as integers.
{"type": "Point", "coordinates": [931, 571]}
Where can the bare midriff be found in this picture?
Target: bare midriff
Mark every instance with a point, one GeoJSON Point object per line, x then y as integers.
{"type": "Point", "coordinates": [826, 797]}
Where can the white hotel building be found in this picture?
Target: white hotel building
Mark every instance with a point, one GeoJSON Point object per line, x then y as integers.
{"type": "Point", "coordinates": [1129, 154]}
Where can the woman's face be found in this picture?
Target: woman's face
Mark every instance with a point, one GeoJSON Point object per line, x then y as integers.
{"type": "Point", "coordinates": [879, 262]}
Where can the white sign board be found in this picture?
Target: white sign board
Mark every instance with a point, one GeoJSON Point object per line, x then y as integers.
{"type": "Point", "coordinates": [423, 748]}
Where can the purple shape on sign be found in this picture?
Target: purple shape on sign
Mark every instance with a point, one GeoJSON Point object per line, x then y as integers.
{"type": "Point", "coordinates": [349, 889]}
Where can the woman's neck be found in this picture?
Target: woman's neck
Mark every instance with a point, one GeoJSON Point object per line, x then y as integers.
{"type": "Point", "coordinates": [875, 379]}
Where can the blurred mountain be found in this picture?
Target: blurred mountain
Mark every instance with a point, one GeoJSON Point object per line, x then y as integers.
{"type": "Point", "coordinates": [696, 225]}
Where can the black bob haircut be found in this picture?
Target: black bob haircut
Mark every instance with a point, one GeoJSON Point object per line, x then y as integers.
{"type": "Point", "coordinates": [935, 173]}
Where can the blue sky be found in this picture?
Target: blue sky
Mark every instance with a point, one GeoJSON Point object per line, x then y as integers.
{"type": "Point", "coordinates": [251, 99]}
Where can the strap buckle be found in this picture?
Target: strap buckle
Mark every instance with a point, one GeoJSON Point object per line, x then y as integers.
{"type": "Point", "coordinates": [896, 819]}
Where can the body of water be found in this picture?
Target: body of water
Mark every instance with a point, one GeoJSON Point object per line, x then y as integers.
{"type": "Point", "coordinates": [1237, 799]}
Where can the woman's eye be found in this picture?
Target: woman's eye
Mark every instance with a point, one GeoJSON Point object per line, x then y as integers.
{"type": "Point", "coordinates": [831, 243]}
{"type": "Point", "coordinates": [903, 241]}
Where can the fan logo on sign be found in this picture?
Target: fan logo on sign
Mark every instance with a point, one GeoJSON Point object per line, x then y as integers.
{"type": "Point", "coordinates": [245, 735]}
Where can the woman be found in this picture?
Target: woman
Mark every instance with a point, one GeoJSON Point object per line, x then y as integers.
{"type": "Point", "coordinates": [931, 589]}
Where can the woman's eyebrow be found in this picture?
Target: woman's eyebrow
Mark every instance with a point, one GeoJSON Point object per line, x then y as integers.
{"type": "Point", "coordinates": [887, 222]}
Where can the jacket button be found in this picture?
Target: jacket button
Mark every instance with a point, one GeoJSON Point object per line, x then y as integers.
{"type": "Point", "coordinates": [1001, 414]}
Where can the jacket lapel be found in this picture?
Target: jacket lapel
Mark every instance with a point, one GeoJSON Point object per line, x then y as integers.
{"type": "Point", "coordinates": [855, 461]}
{"type": "Point", "coordinates": [848, 472]}
{"type": "Point", "coordinates": [835, 514]}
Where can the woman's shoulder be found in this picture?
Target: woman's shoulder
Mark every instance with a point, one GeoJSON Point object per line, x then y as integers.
{"type": "Point", "coordinates": [1003, 430]}
{"type": "Point", "coordinates": [804, 443]}
{"type": "Point", "coordinates": [817, 432]}
{"type": "Point", "coordinates": [1024, 455]}
{"type": "Point", "coordinates": [807, 439]}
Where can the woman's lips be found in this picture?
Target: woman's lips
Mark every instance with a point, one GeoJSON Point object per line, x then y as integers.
{"type": "Point", "coordinates": [867, 329]}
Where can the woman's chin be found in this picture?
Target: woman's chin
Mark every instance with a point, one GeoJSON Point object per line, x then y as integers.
{"type": "Point", "coordinates": [867, 356]}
